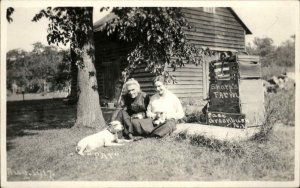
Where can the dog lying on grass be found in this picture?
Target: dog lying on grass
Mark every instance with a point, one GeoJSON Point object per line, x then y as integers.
{"type": "Point", "coordinates": [159, 119]}
{"type": "Point", "coordinates": [106, 137]}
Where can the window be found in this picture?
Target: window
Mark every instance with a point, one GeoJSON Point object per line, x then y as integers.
{"type": "Point", "coordinates": [209, 9]}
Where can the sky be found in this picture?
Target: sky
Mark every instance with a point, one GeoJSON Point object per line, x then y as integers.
{"type": "Point", "coordinates": [277, 22]}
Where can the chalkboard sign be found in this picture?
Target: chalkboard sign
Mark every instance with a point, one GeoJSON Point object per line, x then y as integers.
{"type": "Point", "coordinates": [226, 119]}
{"type": "Point", "coordinates": [233, 108]}
{"type": "Point", "coordinates": [224, 96]}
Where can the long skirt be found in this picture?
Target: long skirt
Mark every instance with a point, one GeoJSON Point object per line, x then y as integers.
{"type": "Point", "coordinates": [144, 127]}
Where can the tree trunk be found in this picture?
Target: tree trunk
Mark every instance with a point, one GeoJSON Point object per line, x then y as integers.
{"type": "Point", "coordinates": [73, 96]}
{"type": "Point", "coordinates": [89, 113]}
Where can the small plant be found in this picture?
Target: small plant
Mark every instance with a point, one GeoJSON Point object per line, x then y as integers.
{"type": "Point", "coordinates": [267, 126]}
{"type": "Point", "coordinates": [195, 117]}
{"type": "Point", "coordinates": [192, 102]}
{"type": "Point", "coordinates": [181, 136]}
{"type": "Point", "coordinates": [193, 111]}
{"type": "Point", "coordinates": [232, 149]}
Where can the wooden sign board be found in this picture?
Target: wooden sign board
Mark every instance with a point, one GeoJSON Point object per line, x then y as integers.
{"type": "Point", "coordinates": [224, 96]}
{"type": "Point", "coordinates": [226, 119]}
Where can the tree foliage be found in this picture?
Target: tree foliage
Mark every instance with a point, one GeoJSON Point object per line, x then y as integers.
{"type": "Point", "coordinates": [31, 69]}
{"type": "Point", "coordinates": [158, 33]}
{"type": "Point", "coordinates": [282, 55]}
{"type": "Point", "coordinates": [74, 25]}
{"type": "Point", "coordinates": [285, 53]}
{"type": "Point", "coordinates": [68, 25]}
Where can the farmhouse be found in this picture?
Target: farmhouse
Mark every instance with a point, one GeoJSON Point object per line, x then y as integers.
{"type": "Point", "coordinates": [218, 28]}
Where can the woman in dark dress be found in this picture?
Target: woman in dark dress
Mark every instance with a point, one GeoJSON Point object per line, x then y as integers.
{"type": "Point", "coordinates": [134, 104]}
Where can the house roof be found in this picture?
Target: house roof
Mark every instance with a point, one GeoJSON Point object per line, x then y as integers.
{"type": "Point", "coordinates": [240, 21]}
{"type": "Point", "coordinates": [100, 23]}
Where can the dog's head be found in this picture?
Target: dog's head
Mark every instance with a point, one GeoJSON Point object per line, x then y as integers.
{"type": "Point", "coordinates": [160, 118]}
{"type": "Point", "coordinates": [160, 115]}
{"type": "Point", "coordinates": [115, 126]}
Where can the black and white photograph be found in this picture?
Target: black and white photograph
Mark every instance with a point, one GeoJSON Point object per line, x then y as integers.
{"type": "Point", "coordinates": [149, 93]}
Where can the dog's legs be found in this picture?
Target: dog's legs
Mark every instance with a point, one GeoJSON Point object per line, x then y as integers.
{"type": "Point", "coordinates": [80, 152]}
{"type": "Point", "coordinates": [116, 137]}
{"type": "Point", "coordinates": [112, 144]}
{"type": "Point", "coordinates": [124, 141]}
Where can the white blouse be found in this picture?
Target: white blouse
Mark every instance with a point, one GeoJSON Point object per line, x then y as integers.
{"type": "Point", "coordinates": [168, 103]}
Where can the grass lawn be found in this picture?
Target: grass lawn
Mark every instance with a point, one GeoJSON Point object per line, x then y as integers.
{"type": "Point", "coordinates": [42, 147]}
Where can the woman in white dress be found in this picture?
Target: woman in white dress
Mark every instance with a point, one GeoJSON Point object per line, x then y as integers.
{"type": "Point", "coordinates": [163, 103]}
{"type": "Point", "coordinates": [168, 104]}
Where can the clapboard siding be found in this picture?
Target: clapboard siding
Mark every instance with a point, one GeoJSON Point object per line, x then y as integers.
{"type": "Point", "coordinates": [219, 15]}
{"type": "Point", "coordinates": [213, 38]}
{"type": "Point", "coordinates": [189, 83]}
{"type": "Point", "coordinates": [223, 11]}
{"type": "Point", "coordinates": [220, 11]}
{"type": "Point", "coordinates": [219, 29]}
{"type": "Point", "coordinates": [213, 29]}
{"type": "Point", "coordinates": [200, 44]}
{"type": "Point", "coordinates": [214, 34]}
{"type": "Point", "coordinates": [189, 95]}
{"type": "Point", "coordinates": [213, 21]}
{"type": "Point", "coordinates": [185, 86]}
{"type": "Point", "coordinates": [144, 78]}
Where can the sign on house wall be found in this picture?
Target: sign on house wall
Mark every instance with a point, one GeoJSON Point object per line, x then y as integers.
{"type": "Point", "coordinates": [224, 96]}
{"type": "Point", "coordinates": [236, 96]}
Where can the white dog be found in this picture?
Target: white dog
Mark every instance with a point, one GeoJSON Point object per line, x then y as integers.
{"type": "Point", "coordinates": [106, 137]}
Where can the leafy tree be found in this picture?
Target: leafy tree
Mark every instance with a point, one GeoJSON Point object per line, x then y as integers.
{"type": "Point", "coordinates": [158, 33]}
{"type": "Point", "coordinates": [285, 53]}
{"type": "Point", "coordinates": [74, 25]}
{"type": "Point", "coordinates": [264, 46]}
{"type": "Point", "coordinates": [32, 69]}
{"type": "Point", "coordinates": [265, 49]}
{"type": "Point", "coordinates": [17, 67]}
{"type": "Point", "coordinates": [63, 76]}
{"type": "Point", "coordinates": [250, 49]}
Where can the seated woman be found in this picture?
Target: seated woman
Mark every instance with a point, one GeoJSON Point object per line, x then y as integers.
{"type": "Point", "coordinates": [134, 104]}
{"type": "Point", "coordinates": [166, 103]}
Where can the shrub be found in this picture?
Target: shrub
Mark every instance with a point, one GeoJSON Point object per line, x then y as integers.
{"type": "Point", "coordinates": [195, 117]}
{"type": "Point", "coordinates": [274, 70]}
{"type": "Point", "coordinates": [280, 108]}
{"type": "Point", "coordinates": [282, 105]}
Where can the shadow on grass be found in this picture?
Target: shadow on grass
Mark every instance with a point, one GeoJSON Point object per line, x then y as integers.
{"type": "Point", "coordinates": [10, 145]}
{"type": "Point", "coordinates": [23, 117]}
